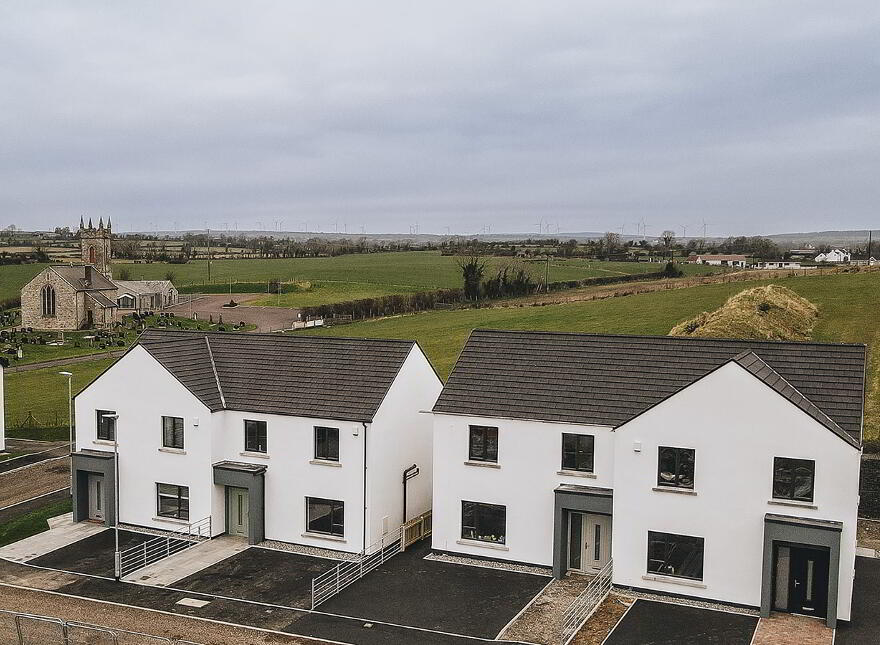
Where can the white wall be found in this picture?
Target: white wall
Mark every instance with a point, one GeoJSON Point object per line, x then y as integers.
{"type": "Point", "coordinates": [291, 476]}
{"type": "Point", "coordinates": [530, 458]}
{"type": "Point", "coordinates": [401, 435]}
{"type": "Point", "coordinates": [2, 413]}
{"type": "Point", "coordinates": [737, 425]}
{"type": "Point", "coordinates": [141, 391]}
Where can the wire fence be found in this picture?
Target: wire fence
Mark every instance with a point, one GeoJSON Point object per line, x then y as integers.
{"type": "Point", "coordinates": [32, 629]}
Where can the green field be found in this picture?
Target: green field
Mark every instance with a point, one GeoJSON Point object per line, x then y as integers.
{"type": "Point", "coordinates": [389, 273]}
{"type": "Point", "coordinates": [847, 304]}
{"type": "Point", "coordinates": [43, 394]}
{"type": "Point", "coordinates": [32, 523]}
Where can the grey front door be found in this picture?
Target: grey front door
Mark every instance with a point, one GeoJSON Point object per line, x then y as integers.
{"type": "Point", "coordinates": [96, 497]}
{"type": "Point", "coordinates": [237, 511]}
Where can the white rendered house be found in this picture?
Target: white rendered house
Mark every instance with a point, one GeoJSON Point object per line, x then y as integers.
{"type": "Point", "coordinates": [725, 470]}
{"type": "Point", "coordinates": [301, 439]}
{"type": "Point", "coordinates": [834, 255]}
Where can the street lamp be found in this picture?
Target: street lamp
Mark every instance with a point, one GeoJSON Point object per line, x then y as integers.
{"type": "Point", "coordinates": [69, 376]}
{"type": "Point", "coordinates": [117, 563]}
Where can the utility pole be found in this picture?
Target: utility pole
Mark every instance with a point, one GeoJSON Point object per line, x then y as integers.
{"type": "Point", "coordinates": [547, 275]}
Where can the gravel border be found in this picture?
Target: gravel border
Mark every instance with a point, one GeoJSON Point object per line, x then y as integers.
{"type": "Point", "coordinates": [301, 549]}
{"type": "Point", "coordinates": [690, 602]}
{"type": "Point", "coordinates": [490, 564]}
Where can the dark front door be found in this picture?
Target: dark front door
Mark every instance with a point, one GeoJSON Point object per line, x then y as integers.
{"type": "Point", "coordinates": [801, 580]}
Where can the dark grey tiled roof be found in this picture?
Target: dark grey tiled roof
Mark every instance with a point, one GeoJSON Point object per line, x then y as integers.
{"type": "Point", "coordinates": [608, 380]}
{"type": "Point", "coordinates": [76, 276]}
{"type": "Point", "coordinates": [309, 376]}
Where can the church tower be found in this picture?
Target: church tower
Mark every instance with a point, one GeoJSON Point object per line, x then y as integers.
{"type": "Point", "coordinates": [95, 244]}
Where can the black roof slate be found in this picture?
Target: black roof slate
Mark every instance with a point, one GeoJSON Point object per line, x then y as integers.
{"type": "Point", "coordinates": [607, 379]}
{"type": "Point", "coordinates": [308, 376]}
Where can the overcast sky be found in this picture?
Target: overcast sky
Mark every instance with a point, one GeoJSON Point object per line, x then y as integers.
{"type": "Point", "coordinates": [757, 117]}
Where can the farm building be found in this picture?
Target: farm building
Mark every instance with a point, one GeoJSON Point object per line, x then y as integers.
{"type": "Point", "coordinates": [738, 261]}
{"type": "Point", "coordinates": [834, 256]}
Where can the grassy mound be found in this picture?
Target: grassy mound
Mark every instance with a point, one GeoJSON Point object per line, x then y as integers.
{"type": "Point", "coordinates": [770, 313]}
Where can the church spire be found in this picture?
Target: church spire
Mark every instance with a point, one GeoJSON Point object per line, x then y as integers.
{"type": "Point", "coordinates": [101, 224]}
{"type": "Point", "coordinates": [90, 224]}
{"type": "Point", "coordinates": [108, 222]}
{"type": "Point", "coordinates": [81, 225]}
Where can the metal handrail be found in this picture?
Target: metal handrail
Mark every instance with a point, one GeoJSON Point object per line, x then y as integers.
{"type": "Point", "coordinates": [586, 603]}
{"type": "Point", "coordinates": [163, 546]}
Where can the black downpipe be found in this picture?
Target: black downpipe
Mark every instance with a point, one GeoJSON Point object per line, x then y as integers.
{"type": "Point", "coordinates": [408, 474]}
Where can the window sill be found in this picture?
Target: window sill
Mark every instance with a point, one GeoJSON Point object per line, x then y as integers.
{"type": "Point", "coordinates": [258, 455]}
{"type": "Point", "coordinates": [576, 473]}
{"type": "Point", "coordinates": [173, 451]}
{"type": "Point", "coordinates": [171, 520]}
{"type": "Point", "coordinates": [677, 491]}
{"type": "Point", "coordinates": [103, 442]}
{"type": "Point", "coordinates": [792, 502]}
{"type": "Point", "coordinates": [483, 545]}
{"type": "Point", "coordinates": [482, 464]}
{"type": "Point", "coordinates": [684, 582]}
{"type": "Point", "coordinates": [322, 536]}
{"type": "Point", "coordinates": [325, 462]}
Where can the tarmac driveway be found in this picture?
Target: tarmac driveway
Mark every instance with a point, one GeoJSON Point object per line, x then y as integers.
{"type": "Point", "coordinates": [453, 598]}
{"type": "Point", "coordinates": [660, 623]}
{"type": "Point", "coordinates": [92, 555]}
{"type": "Point", "coordinates": [864, 626]}
{"type": "Point", "coordinates": [261, 575]}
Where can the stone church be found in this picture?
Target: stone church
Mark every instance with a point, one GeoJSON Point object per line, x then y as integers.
{"type": "Point", "coordinates": [85, 296]}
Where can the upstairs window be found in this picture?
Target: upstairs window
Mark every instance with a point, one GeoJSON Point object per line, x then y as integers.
{"type": "Point", "coordinates": [483, 444]}
{"type": "Point", "coordinates": [47, 300]}
{"type": "Point", "coordinates": [675, 467]}
{"type": "Point", "coordinates": [106, 426]}
{"type": "Point", "coordinates": [327, 444]}
{"type": "Point", "coordinates": [793, 479]}
{"type": "Point", "coordinates": [680, 556]}
{"type": "Point", "coordinates": [577, 452]}
{"type": "Point", "coordinates": [255, 436]}
{"type": "Point", "coordinates": [172, 432]}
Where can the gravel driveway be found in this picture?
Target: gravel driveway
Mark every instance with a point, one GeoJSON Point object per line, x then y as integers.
{"type": "Point", "coordinates": [265, 318]}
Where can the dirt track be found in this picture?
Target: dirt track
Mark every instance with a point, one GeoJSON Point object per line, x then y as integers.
{"type": "Point", "coordinates": [44, 477]}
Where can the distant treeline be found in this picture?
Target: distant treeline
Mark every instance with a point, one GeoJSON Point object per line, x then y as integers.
{"type": "Point", "coordinates": [509, 282]}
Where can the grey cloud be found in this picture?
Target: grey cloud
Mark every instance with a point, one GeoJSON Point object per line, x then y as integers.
{"type": "Point", "coordinates": [755, 117]}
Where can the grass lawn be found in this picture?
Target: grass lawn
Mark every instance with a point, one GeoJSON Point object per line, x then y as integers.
{"type": "Point", "coordinates": [388, 272]}
{"type": "Point", "coordinates": [43, 393]}
{"type": "Point", "coordinates": [323, 292]}
{"type": "Point", "coordinates": [847, 304]}
{"type": "Point", "coordinates": [32, 523]}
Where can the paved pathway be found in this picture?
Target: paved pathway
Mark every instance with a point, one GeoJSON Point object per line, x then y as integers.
{"type": "Point", "coordinates": [189, 561]}
{"type": "Point", "coordinates": [788, 629]}
{"type": "Point", "coordinates": [63, 534]}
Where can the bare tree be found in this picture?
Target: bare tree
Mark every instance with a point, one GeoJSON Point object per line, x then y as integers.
{"type": "Point", "coordinates": [472, 269]}
{"type": "Point", "coordinates": [611, 242]}
{"type": "Point", "coordinates": [668, 239]}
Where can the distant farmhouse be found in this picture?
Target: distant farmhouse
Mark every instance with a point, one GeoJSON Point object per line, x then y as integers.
{"type": "Point", "coordinates": [719, 260]}
{"type": "Point", "coordinates": [834, 255]}
{"type": "Point", "coordinates": [85, 296]}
